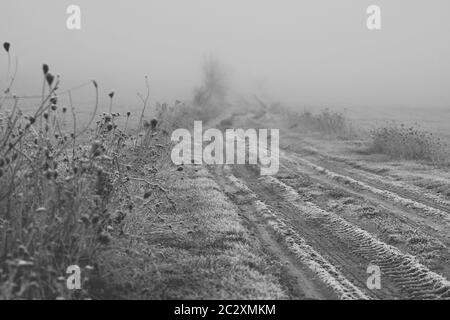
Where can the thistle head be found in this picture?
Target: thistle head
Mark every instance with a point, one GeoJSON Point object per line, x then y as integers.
{"type": "Point", "coordinates": [153, 123]}
{"type": "Point", "coordinates": [50, 78]}
{"type": "Point", "coordinates": [6, 46]}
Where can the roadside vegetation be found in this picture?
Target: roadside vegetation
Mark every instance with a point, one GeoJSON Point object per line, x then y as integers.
{"type": "Point", "coordinates": [105, 196]}
{"type": "Point", "coordinates": [57, 185]}
{"type": "Point", "coordinates": [410, 143]}
{"type": "Point", "coordinates": [333, 124]}
{"type": "Point", "coordinates": [395, 140]}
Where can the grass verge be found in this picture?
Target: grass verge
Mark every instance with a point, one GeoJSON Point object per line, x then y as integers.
{"type": "Point", "coordinates": [192, 247]}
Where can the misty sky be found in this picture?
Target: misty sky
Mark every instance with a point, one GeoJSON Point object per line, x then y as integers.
{"type": "Point", "coordinates": [307, 53]}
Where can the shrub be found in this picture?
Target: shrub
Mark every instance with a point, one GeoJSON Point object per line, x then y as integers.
{"type": "Point", "coordinates": [408, 142]}
{"type": "Point", "coordinates": [330, 123]}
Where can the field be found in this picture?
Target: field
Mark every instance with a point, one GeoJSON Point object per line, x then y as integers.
{"type": "Point", "coordinates": [356, 189]}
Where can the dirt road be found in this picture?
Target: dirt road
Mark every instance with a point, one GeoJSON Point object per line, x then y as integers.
{"type": "Point", "coordinates": [328, 220]}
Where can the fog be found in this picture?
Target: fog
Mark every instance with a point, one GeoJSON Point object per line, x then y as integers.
{"type": "Point", "coordinates": [304, 53]}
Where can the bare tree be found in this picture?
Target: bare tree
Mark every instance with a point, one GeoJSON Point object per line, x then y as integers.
{"type": "Point", "coordinates": [211, 96]}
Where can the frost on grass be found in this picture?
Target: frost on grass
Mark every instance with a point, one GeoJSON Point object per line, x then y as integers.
{"type": "Point", "coordinates": [201, 250]}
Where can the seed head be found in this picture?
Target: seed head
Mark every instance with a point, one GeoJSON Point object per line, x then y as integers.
{"type": "Point", "coordinates": [49, 77]}
{"type": "Point", "coordinates": [6, 46]}
{"type": "Point", "coordinates": [147, 194]}
{"type": "Point", "coordinates": [153, 123]}
{"type": "Point", "coordinates": [49, 174]}
{"type": "Point", "coordinates": [95, 219]}
{"type": "Point", "coordinates": [85, 219]}
{"type": "Point", "coordinates": [104, 238]}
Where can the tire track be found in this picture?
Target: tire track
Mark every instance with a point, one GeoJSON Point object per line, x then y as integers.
{"type": "Point", "coordinates": [298, 246]}
{"type": "Point", "coordinates": [403, 275]}
{"type": "Point", "coordinates": [346, 180]}
{"type": "Point", "coordinates": [413, 279]}
{"type": "Point", "coordinates": [349, 167]}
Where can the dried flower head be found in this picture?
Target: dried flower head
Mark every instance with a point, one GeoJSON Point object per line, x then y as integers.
{"type": "Point", "coordinates": [147, 194]}
{"type": "Point", "coordinates": [50, 78]}
{"type": "Point", "coordinates": [153, 123]}
{"type": "Point", "coordinates": [104, 238]}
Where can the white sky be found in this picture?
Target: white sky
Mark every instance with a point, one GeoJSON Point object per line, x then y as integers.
{"type": "Point", "coordinates": [316, 52]}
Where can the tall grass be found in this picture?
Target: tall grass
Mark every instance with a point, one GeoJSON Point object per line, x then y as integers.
{"type": "Point", "coordinates": [64, 190]}
{"type": "Point", "coordinates": [327, 122]}
{"type": "Point", "coordinates": [57, 183]}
